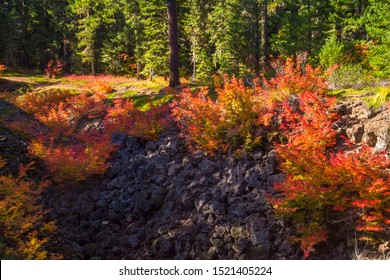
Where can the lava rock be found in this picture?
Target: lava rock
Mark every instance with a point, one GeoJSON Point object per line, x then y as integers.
{"type": "Point", "coordinates": [119, 140]}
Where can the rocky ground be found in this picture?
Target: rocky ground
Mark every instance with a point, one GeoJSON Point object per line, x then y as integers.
{"type": "Point", "coordinates": [161, 202]}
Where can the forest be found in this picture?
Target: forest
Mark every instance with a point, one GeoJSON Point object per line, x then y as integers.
{"type": "Point", "coordinates": [194, 129]}
{"type": "Point", "coordinates": [236, 37]}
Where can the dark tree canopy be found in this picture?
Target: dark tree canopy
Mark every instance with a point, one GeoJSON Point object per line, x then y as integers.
{"type": "Point", "coordinates": [192, 38]}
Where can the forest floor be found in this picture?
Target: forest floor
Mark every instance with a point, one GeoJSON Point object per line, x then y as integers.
{"type": "Point", "coordinates": [125, 215]}
{"type": "Point", "coordinates": [39, 83]}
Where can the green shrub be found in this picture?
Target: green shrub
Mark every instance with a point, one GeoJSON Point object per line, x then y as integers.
{"type": "Point", "coordinates": [332, 52]}
{"type": "Point", "coordinates": [350, 75]}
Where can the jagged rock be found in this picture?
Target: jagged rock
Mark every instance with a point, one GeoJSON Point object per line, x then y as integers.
{"type": "Point", "coordinates": [286, 247]}
{"type": "Point", "coordinates": [86, 209]}
{"type": "Point", "coordinates": [217, 208]}
{"type": "Point", "coordinates": [240, 246]}
{"type": "Point", "coordinates": [356, 133]}
{"type": "Point", "coordinates": [102, 203]}
{"type": "Point", "coordinates": [119, 139]}
{"type": "Point", "coordinates": [260, 252]}
{"type": "Point", "coordinates": [111, 215]}
{"type": "Point", "coordinates": [161, 203]}
{"type": "Point", "coordinates": [89, 250]}
{"type": "Point", "coordinates": [130, 242]}
{"type": "Point", "coordinates": [196, 157]}
{"type": "Point", "coordinates": [165, 246]}
{"type": "Point", "coordinates": [98, 214]}
{"type": "Point", "coordinates": [270, 165]}
{"type": "Point", "coordinates": [208, 167]}
{"type": "Point", "coordinates": [186, 201]}
{"type": "Point", "coordinates": [151, 146]}
{"type": "Point", "coordinates": [383, 142]}
{"type": "Point", "coordinates": [260, 237]}
{"type": "Point", "coordinates": [174, 169]}
{"type": "Point", "coordinates": [157, 196]}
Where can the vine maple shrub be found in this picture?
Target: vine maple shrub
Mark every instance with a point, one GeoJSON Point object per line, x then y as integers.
{"type": "Point", "coordinates": [238, 116]}
{"type": "Point", "coordinates": [228, 122]}
{"type": "Point", "coordinates": [54, 68]}
{"type": "Point", "coordinates": [325, 186]}
{"type": "Point", "coordinates": [72, 152]}
{"type": "Point", "coordinates": [2, 68]}
{"type": "Point", "coordinates": [21, 217]}
{"type": "Point", "coordinates": [124, 117]}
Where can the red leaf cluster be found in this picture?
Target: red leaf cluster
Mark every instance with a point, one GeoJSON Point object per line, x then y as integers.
{"type": "Point", "coordinates": [54, 68]}
{"type": "Point", "coordinates": [228, 122]}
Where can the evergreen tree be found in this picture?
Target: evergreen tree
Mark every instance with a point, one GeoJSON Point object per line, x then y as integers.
{"type": "Point", "coordinates": [93, 20]}
{"type": "Point", "coordinates": [235, 34]}
{"type": "Point", "coordinates": [155, 53]}
{"type": "Point", "coordinates": [196, 22]}
{"type": "Point", "coordinates": [301, 26]}
{"type": "Point", "coordinates": [377, 23]}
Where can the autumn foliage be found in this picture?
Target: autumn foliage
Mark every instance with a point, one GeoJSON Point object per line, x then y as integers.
{"type": "Point", "coordinates": [326, 184]}
{"type": "Point", "coordinates": [236, 118]}
{"type": "Point", "coordinates": [54, 68]}
{"type": "Point", "coordinates": [225, 123]}
{"type": "Point", "coordinates": [74, 138]}
{"type": "Point", "coordinates": [124, 117]}
{"type": "Point", "coordinates": [2, 68]}
{"type": "Point", "coordinates": [21, 217]}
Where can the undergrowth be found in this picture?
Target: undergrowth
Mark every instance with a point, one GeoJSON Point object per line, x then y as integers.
{"type": "Point", "coordinates": [324, 185]}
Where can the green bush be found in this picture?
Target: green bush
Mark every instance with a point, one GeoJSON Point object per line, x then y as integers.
{"type": "Point", "coordinates": [350, 75]}
{"type": "Point", "coordinates": [332, 52]}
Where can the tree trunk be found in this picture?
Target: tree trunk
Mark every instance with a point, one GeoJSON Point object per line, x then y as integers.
{"type": "Point", "coordinates": [173, 44]}
{"type": "Point", "coordinates": [24, 15]}
{"type": "Point", "coordinates": [257, 39]}
{"type": "Point", "coordinates": [266, 33]}
{"type": "Point", "coordinates": [139, 70]}
{"type": "Point", "coordinates": [309, 32]}
{"type": "Point", "coordinates": [93, 68]}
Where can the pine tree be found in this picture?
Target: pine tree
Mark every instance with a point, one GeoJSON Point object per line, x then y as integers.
{"type": "Point", "coordinates": [377, 23]}
{"type": "Point", "coordinates": [93, 17]}
{"type": "Point", "coordinates": [195, 24]}
{"type": "Point", "coordinates": [155, 53]}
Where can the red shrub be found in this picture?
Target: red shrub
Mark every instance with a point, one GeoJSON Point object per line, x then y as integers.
{"type": "Point", "coordinates": [218, 125]}
{"type": "Point", "coordinates": [124, 117]}
{"type": "Point", "coordinates": [85, 106]}
{"type": "Point", "coordinates": [199, 118]}
{"type": "Point", "coordinates": [61, 111]}
{"type": "Point", "coordinates": [324, 187]}
{"type": "Point", "coordinates": [97, 86]}
{"type": "Point", "coordinates": [41, 102]}
{"type": "Point", "coordinates": [54, 68]}
{"type": "Point", "coordinates": [83, 79]}
{"type": "Point", "coordinates": [2, 68]}
{"type": "Point", "coordinates": [74, 162]}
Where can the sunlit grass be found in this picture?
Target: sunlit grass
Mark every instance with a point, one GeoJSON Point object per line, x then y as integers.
{"type": "Point", "coordinates": [154, 85]}
{"type": "Point", "coordinates": [382, 96]}
{"type": "Point", "coordinates": [142, 102]}
{"type": "Point", "coordinates": [373, 96]}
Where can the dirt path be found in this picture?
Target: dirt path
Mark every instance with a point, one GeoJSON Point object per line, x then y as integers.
{"type": "Point", "coordinates": [17, 82]}
{"type": "Point", "coordinates": [24, 80]}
